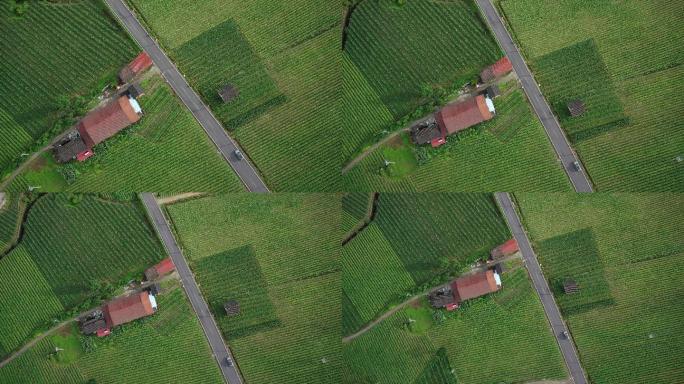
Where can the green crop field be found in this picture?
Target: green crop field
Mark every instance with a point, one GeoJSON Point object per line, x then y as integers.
{"type": "Point", "coordinates": [72, 247]}
{"type": "Point", "coordinates": [395, 58]}
{"type": "Point", "coordinates": [52, 52]}
{"type": "Point", "coordinates": [503, 337]}
{"type": "Point", "coordinates": [167, 151]}
{"type": "Point", "coordinates": [622, 249]}
{"type": "Point", "coordinates": [278, 256]}
{"type": "Point", "coordinates": [355, 207]}
{"type": "Point", "coordinates": [624, 59]}
{"type": "Point", "coordinates": [283, 58]}
{"type": "Point", "coordinates": [167, 347]}
{"type": "Point", "coordinates": [414, 240]}
{"type": "Point", "coordinates": [509, 152]}
{"type": "Point", "coordinates": [10, 216]}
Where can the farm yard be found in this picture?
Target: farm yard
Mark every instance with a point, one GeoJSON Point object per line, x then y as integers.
{"type": "Point", "coordinates": [621, 250]}
{"type": "Point", "coordinates": [52, 55]}
{"type": "Point", "coordinates": [53, 272]}
{"type": "Point", "coordinates": [275, 260]}
{"type": "Point", "coordinates": [388, 82]}
{"type": "Point", "coordinates": [166, 347]}
{"type": "Point", "coordinates": [281, 61]}
{"type": "Point", "coordinates": [167, 151]}
{"type": "Point", "coordinates": [624, 61]}
{"type": "Point", "coordinates": [419, 241]}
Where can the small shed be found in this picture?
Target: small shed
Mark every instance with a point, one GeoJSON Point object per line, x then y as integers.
{"type": "Point", "coordinates": [576, 108]}
{"type": "Point", "coordinates": [426, 133]}
{"type": "Point", "coordinates": [140, 64]}
{"type": "Point", "coordinates": [135, 90]}
{"type": "Point", "coordinates": [68, 150]}
{"type": "Point", "coordinates": [499, 69]}
{"type": "Point", "coordinates": [232, 307]}
{"type": "Point", "coordinates": [228, 93]}
{"type": "Point", "coordinates": [506, 249]}
{"type": "Point", "coordinates": [92, 326]}
{"type": "Point", "coordinates": [493, 91]}
{"type": "Point", "coordinates": [570, 286]}
{"type": "Point", "coordinates": [160, 269]}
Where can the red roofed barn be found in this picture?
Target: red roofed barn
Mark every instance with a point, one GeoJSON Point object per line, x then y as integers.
{"type": "Point", "coordinates": [496, 70]}
{"type": "Point", "coordinates": [129, 308]}
{"type": "Point", "coordinates": [141, 63]}
{"type": "Point", "coordinates": [459, 116]}
{"type": "Point", "coordinates": [160, 269]}
{"type": "Point", "coordinates": [472, 286]}
{"type": "Point", "coordinates": [105, 122]}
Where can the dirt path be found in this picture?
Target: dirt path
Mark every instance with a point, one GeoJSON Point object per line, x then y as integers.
{"type": "Point", "coordinates": [52, 330]}
{"type": "Point", "coordinates": [374, 147]}
{"type": "Point", "coordinates": [177, 198]}
{"type": "Point", "coordinates": [369, 326]}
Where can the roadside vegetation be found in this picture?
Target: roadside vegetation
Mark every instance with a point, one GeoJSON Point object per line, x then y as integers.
{"type": "Point", "coordinates": [389, 82]}
{"type": "Point", "coordinates": [621, 250]}
{"type": "Point", "coordinates": [166, 347]}
{"type": "Point", "coordinates": [277, 256]}
{"type": "Point", "coordinates": [624, 60]}
{"type": "Point", "coordinates": [283, 58]}
{"type": "Point", "coordinates": [75, 250]}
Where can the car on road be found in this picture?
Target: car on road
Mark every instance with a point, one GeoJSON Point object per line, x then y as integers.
{"type": "Point", "coordinates": [576, 166]}
{"type": "Point", "coordinates": [229, 361]}
{"type": "Point", "coordinates": [238, 154]}
{"type": "Point", "coordinates": [564, 335]}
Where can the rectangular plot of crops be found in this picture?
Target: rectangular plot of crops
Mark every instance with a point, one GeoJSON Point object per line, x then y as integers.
{"type": "Point", "coordinates": [573, 257]}
{"type": "Point", "coordinates": [236, 292]}
{"type": "Point", "coordinates": [577, 72]}
{"type": "Point", "coordinates": [221, 57]}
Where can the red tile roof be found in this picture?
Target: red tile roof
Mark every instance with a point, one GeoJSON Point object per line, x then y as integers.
{"type": "Point", "coordinates": [472, 286]}
{"type": "Point", "coordinates": [498, 69]}
{"type": "Point", "coordinates": [509, 247]}
{"type": "Point", "coordinates": [141, 63]}
{"type": "Point", "coordinates": [165, 266]}
{"type": "Point", "coordinates": [105, 122]}
{"type": "Point", "coordinates": [459, 116]}
{"type": "Point", "coordinates": [126, 309]}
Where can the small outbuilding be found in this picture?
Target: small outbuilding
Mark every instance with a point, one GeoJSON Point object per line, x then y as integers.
{"type": "Point", "coordinates": [428, 133]}
{"type": "Point", "coordinates": [140, 64]}
{"type": "Point", "coordinates": [499, 69]}
{"type": "Point", "coordinates": [232, 307]}
{"type": "Point", "coordinates": [68, 150]}
{"type": "Point", "coordinates": [134, 90]}
{"type": "Point", "coordinates": [160, 269]}
{"type": "Point", "coordinates": [506, 249]}
{"type": "Point", "coordinates": [570, 286]}
{"type": "Point", "coordinates": [576, 108]}
{"type": "Point", "coordinates": [228, 93]}
{"type": "Point", "coordinates": [493, 91]}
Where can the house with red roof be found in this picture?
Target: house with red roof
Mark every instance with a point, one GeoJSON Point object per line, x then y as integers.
{"type": "Point", "coordinates": [499, 69]}
{"type": "Point", "coordinates": [128, 308]}
{"type": "Point", "coordinates": [465, 288]}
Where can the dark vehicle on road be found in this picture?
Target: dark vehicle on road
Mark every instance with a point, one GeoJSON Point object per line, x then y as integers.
{"type": "Point", "coordinates": [576, 166]}
{"type": "Point", "coordinates": [238, 154]}
{"type": "Point", "coordinates": [229, 361]}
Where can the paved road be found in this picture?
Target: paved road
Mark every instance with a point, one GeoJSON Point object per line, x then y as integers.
{"type": "Point", "coordinates": [243, 168]}
{"type": "Point", "coordinates": [541, 286]}
{"type": "Point", "coordinates": [560, 143]}
{"type": "Point", "coordinates": [200, 307]}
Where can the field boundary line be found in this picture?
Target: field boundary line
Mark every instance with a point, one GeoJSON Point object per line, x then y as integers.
{"type": "Point", "coordinates": [559, 141]}
{"type": "Point", "coordinates": [553, 315]}
{"type": "Point", "coordinates": [244, 169]}
{"type": "Point", "coordinates": [220, 350]}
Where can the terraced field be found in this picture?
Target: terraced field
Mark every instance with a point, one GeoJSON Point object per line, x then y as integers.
{"type": "Point", "coordinates": [510, 152]}
{"type": "Point", "coordinates": [625, 59]}
{"type": "Point", "coordinates": [50, 54]}
{"type": "Point", "coordinates": [175, 351]}
{"type": "Point", "coordinates": [278, 256]}
{"type": "Point", "coordinates": [620, 249]}
{"type": "Point", "coordinates": [284, 60]}
{"type": "Point", "coordinates": [74, 249]}
{"type": "Point", "coordinates": [166, 152]}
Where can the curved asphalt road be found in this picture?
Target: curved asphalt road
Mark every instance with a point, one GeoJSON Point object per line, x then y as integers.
{"type": "Point", "coordinates": [567, 156]}
{"type": "Point", "coordinates": [541, 286]}
{"type": "Point", "coordinates": [218, 347]}
{"type": "Point", "coordinates": [226, 146]}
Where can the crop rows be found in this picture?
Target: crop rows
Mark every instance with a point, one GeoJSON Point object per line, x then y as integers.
{"type": "Point", "coordinates": [26, 302]}
{"type": "Point", "coordinates": [426, 230]}
{"type": "Point", "coordinates": [167, 151]}
{"type": "Point", "coordinates": [637, 239]}
{"type": "Point", "coordinates": [510, 152]}
{"type": "Point", "coordinates": [13, 138]}
{"type": "Point", "coordinates": [51, 52]}
{"type": "Point", "coordinates": [181, 356]}
{"type": "Point", "coordinates": [87, 241]}
{"type": "Point", "coordinates": [9, 216]}
{"type": "Point", "coordinates": [370, 254]}
{"type": "Point", "coordinates": [400, 50]}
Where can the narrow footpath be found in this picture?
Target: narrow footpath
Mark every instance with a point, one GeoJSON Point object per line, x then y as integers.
{"type": "Point", "coordinates": [199, 305]}
{"type": "Point", "coordinates": [566, 344]}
